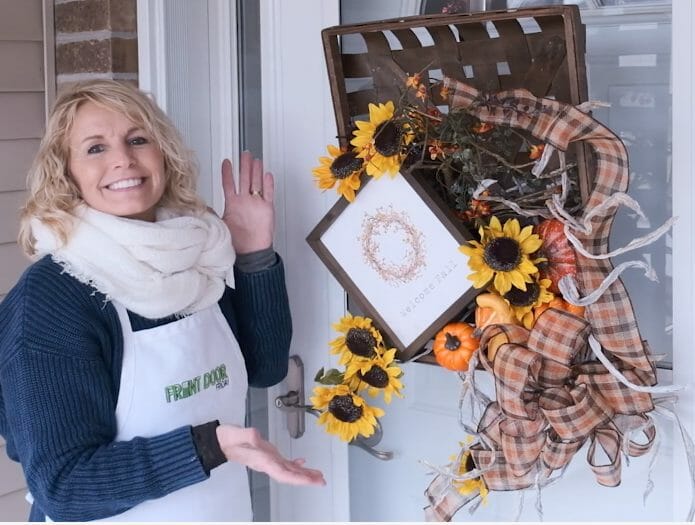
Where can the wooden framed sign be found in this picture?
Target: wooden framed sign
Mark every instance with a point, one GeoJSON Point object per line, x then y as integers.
{"type": "Point", "coordinates": [396, 252]}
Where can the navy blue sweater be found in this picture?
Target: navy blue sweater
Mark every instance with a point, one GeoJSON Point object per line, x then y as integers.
{"type": "Point", "coordinates": [61, 351]}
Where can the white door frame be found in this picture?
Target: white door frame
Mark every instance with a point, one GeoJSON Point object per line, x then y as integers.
{"type": "Point", "coordinates": [683, 161]}
{"type": "Point", "coordinates": [165, 46]}
{"type": "Point", "coordinates": [297, 111]}
{"type": "Point", "coordinates": [152, 70]}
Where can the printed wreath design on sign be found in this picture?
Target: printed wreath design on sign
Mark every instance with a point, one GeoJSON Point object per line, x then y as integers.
{"type": "Point", "coordinates": [391, 222]}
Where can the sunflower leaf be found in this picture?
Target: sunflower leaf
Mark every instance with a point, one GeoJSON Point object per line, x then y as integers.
{"type": "Point", "coordinates": [330, 377]}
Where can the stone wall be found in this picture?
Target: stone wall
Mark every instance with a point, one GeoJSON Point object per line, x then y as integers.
{"type": "Point", "coordinates": [96, 39]}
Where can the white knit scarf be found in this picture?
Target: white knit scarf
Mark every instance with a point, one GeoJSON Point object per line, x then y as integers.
{"type": "Point", "coordinates": [176, 265]}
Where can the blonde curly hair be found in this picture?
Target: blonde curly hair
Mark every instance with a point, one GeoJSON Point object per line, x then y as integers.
{"type": "Point", "coordinates": [53, 195]}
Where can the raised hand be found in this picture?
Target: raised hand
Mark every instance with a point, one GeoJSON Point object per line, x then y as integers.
{"type": "Point", "coordinates": [246, 446]}
{"type": "Point", "coordinates": [248, 213]}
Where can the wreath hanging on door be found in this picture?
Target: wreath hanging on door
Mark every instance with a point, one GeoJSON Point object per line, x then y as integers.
{"type": "Point", "coordinates": [555, 325]}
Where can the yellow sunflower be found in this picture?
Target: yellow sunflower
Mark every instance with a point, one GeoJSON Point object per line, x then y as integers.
{"type": "Point", "coordinates": [344, 413]}
{"type": "Point", "coordinates": [360, 338]}
{"type": "Point", "coordinates": [343, 168]}
{"type": "Point", "coordinates": [380, 140]}
{"type": "Point", "coordinates": [522, 302]}
{"type": "Point", "coordinates": [470, 486]}
{"type": "Point", "coordinates": [377, 374]}
{"type": "Point", "coordinates": [503, 254]}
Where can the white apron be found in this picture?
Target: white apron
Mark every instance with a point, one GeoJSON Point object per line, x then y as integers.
{"type": "Point", "coordinates": [187, 372]}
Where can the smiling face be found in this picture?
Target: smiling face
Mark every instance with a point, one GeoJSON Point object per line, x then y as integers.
{"type": "Point", "coordinates": [115, 163]}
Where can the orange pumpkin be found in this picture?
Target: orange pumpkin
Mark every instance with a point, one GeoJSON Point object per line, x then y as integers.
{"type": "Point", "coordinates": [561, 259]}
{"type": "Point", "coordinates": [559, 304]}
{"type": "Point", "coordinates": [454, 345]}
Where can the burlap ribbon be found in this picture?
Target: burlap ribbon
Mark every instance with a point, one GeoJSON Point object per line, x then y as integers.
{"type": "Point", "coordinates": [552, 396]}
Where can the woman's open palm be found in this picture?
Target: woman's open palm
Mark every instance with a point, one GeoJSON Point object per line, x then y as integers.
{"type": "Point", "coordinates": [246, 446]}
{"type": "Point", "coordinates": [248, 213]}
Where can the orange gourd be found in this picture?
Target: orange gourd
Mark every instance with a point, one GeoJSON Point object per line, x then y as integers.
{"type": "Point", "coordinates": [561, 259]}
{"type": "Point", "coordinates": [494, 344]}
{"type": "Point", "coordinates": [454, 345]}
{"type": "Point", "coordinates": [485, 316]}
{"type": "Point", "coordinates": [492, 309]}
{"type": "Point", "coordinates": [559, 304]}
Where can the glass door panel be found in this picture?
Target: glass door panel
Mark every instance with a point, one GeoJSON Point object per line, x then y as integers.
{"type": "Point", "coordinates": [251, 139]}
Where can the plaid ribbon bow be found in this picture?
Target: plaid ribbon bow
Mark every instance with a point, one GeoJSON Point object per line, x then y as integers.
{"type": "Point", "coordinates": [551, 396]}
{"type": "Point", "coordinates": [548, 406]}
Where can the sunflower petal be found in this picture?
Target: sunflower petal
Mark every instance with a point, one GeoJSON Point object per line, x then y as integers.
{"type": "Point", "coordinates": [517, 279]}
{"type": "Point", "coordinates": [512, 228]}
{"type": "Point", "coordinates": [333, 151]}
{"type": "Point", "coordinates": [469, 250]}
{"type": "Point", "coordinates": [476, 263]}
{"type": "Point", "coordinates": [481, 278]}
{"type": "Point", "coordinates": [348, 193]}
{"type": "Point", "coordinates": [525, 233]}
{"type": "Point", "coordinates": [503, 282]}
{"type": "Point", "coordinates": [531, 244]}
{"type": "Point", "coordinates": [527, 267]}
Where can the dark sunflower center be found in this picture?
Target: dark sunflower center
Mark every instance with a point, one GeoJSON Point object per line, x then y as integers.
{"type": "Point", "coordinates": [502, 254]}
{"type": "Point", "coordinates": [376, 377]}
{"type": "Point", "coordinates": [360, 342]}
{"type": "Point", "coordinates": [517, 297]}
{"type": "Point", "coordinates": [387, 138]}
{"type": "Point", "coordinates": [345, 165]}
{"type": "Point", "coordinates": [344, 409]}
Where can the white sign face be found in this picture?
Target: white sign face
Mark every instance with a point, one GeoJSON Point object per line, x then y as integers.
{"type": "Point", "coordinates": [399, 255]}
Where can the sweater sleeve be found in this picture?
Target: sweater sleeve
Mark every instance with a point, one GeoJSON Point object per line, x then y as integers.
{"type": "Point", "coordinates": [59, 402]}
{"type": "Point", "coordinates": [258, 311]}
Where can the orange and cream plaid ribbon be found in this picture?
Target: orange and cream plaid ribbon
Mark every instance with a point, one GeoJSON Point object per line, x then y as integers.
{"type": "Point", "coordinates": [548, 406]}
{"type": "Point", "coordinates": [552, 397]}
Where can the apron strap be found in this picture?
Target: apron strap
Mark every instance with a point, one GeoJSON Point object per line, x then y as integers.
{"type": "Point", "coordinates": [123, 318]}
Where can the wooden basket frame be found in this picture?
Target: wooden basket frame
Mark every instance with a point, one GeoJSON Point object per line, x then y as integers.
{"type": "Point", "coordinates": [548, 62]}
{"type": "Point", "coordinates": [455, 38]}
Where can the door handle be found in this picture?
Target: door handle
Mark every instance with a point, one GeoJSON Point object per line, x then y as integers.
{"type": "Point", "coordinates": [292, 403]}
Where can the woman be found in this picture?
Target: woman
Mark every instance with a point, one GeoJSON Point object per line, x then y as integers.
{"type": "Point", "coordinates": [135, 331]}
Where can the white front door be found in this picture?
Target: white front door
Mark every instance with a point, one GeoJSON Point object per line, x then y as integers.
{"type": "Point", "coordinates": [423, 428]}
{"type": "Point", "coordinates": [298, 122]}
